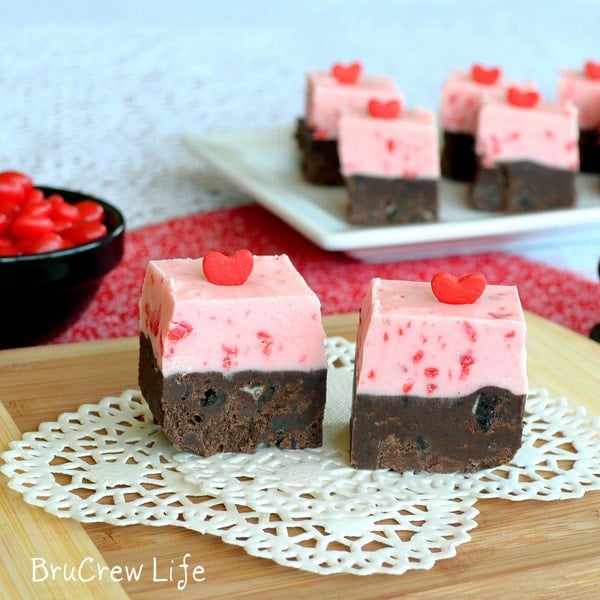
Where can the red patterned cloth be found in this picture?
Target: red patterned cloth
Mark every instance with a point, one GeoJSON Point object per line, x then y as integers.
{"type": "Point", "coordinates": [338, 280]}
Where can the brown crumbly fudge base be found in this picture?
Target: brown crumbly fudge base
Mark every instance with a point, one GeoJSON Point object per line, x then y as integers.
{"type": "Point", "coordinates": [589, 150]}
{"type": "Point", "coordinates": [522, 186]}
{"type": "Point", "coordinates": [320, 162]}
{"type": "Point", "coordinates": [379, 201]}
{"type": "Point", "coordinates": [207, 413]}
{"type": "Point", "coordinates": [459, 161]}
{"type": "Point", "coordinates": [441, 435]}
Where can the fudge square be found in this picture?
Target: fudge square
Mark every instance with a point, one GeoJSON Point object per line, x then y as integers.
{"type": "Point", "coordinates": [390, 163]}
{"type": "Point", "coordinates": [462, 96]}
{"type": "Point", "coordinates": [528, 154]}
{"type": "Point", "coordinates": [582, 87]}
{"type": "Point", "coordinates": [327, 95]}
{"type": "Point", "coordinates": [226, 368]}
{"type": "Point", "coordinates": [439, 387]}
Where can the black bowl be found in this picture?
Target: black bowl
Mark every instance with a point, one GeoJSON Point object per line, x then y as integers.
{"type": "Point", "coordinates": [43, 294]}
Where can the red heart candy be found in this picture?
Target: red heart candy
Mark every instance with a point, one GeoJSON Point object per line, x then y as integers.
{"type": "Point", "coordinates": [384, 110]}
{"type": "Point", "coordinates": [221, 269]}
{"type": "Point", "coordinates": [480, 74]}
{"type": "Point", "coordinates": [450, 289]}
{"type": "Point", "coordinates": [522, 98]}
{"type": "Point", "coordinates": [592, 69]}
{"type": "Point", "coordinates": [347, 74]}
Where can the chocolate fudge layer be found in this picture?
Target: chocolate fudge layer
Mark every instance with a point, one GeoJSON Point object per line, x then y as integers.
{"type": "Point", "coordinates": [212, 412]}
{"type": "Point", "coordinates": [378, 201]}
{"type": "Point", "coordinates": [459, 161]}
{"type": "Point", "coordinates": [589, 150]}
{"type": "Point", "coordinates": [522, 186]}
{"type": "Point", "coordinates": [444, 435]}
{"type": "Point", "coordinates": [320, 162]}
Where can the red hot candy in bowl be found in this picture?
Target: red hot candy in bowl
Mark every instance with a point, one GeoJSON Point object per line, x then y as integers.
{"type": "Point", "coordinates": [44, 290]}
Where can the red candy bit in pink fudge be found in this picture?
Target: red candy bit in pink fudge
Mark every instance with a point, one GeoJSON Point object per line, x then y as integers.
{"type": "Point", "coordinates": [408, 385]}
{"type": "Point", "coordinates": [470, 331]}
{"type": "Point", "coordinates": [347, 74]}
{"type": "Point", "coordinates": [431, 372]}
{"type": "Point", "coordinates": [522, 98]}
{"type": "Point", "coordinates": [266, 341]}
{"type": "Point", "coordinates": [229, 353]}
{"type": "Point", "coordinates": [319, 134]}
{"type": "Point", "coordinates": [449, 289]}
{"type": "Point", "coordinates": [466, 362]}
{"type": "Point", "coordinates": [592, 69]}
{"type": "Point", "coordinates": [418, 356]}
{"type": "Point", "coordinates": [384, 110]}
{"type": "Point", "coordinates": [485, 76]}
{"type": "Point", "coordinates": [155, 321]}
{"type": "Point", "coordinates": [178, 331]}
{"type": "Point", "coordinates": [221, 269]}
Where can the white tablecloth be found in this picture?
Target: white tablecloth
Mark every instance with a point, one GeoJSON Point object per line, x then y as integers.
{"type": "Point", "coordinates": [96, 94]}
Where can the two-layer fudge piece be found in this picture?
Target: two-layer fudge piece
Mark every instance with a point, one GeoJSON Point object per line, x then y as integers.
{"type": "Point", "coordinates": [327, 95]}
{"type": "Point", "coordinates": [582, 87]}
{"type": "Point", "coordinates": [527, 153]}
{"type": "Point", "coordinates": [462, 95]}
{"type": "Point", "coordinates": [440, 385]}
{"type": "Point", "coordinates": [232, 353]}
{"type": "Point", "coordinates": [390, 162]}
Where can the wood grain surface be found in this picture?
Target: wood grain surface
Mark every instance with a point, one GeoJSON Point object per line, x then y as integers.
{"type": "Point", "coordinates": [541, 550]}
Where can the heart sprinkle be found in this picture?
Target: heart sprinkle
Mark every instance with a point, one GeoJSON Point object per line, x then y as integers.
{"type": "Point", "coordinates": [347, 74]}
{"type": "Point", "coordinates": [592, 69]}
{"type": "Point", "coordinates": [480, 74]}
{"type": "Point", "coordinates": [221, 269]}
{"type": "Point", "coordinates": [522, 98]}
{"type": "Point", "coordinates": [384, 110]}
{"type": "Point", "coordinates": [449, 289]}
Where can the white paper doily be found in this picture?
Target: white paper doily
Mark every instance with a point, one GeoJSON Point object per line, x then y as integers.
{"type": "Point", "coordinates": [306, 509]}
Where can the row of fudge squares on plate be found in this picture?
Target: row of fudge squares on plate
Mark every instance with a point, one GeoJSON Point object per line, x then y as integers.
{"type": "Point", "coordinates": [232, 357]}
{"type": "Point", "coordinates": [519, 153]}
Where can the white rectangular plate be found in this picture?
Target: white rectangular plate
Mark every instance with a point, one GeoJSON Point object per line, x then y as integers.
{"type": "Point", "coordinates": [265, 164]}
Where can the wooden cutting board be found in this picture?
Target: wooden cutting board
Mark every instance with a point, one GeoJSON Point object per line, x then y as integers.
{"type": "Point", "coordinates": [519, 549]}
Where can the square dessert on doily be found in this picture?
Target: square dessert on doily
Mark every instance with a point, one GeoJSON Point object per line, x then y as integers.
{"type": "Point", "coordinates": [440, 386]}
{"type": "Point", "coordinates": [226, 363]}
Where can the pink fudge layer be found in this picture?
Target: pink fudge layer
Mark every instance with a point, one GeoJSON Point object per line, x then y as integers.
{"type": "Point", "coordinates": [326, 98]}
{"type": "Point", "coordinates": [546, 134]}
{"type": "Point", "coordinates": [403, 147]}
{"type": "Point", "coordinates": [271, 322]}
{"type": "Point", "coordinates": [584, 93]}
{"type": "Point", "coordinates": [462, 99]}
{"type": "Point", "coordinates": [409, 343]}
